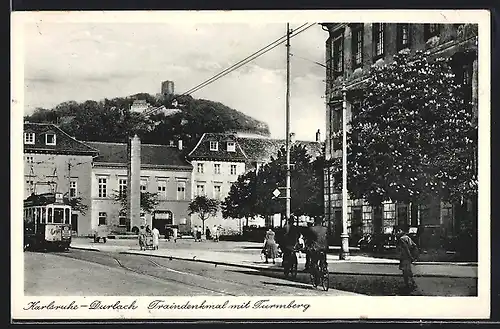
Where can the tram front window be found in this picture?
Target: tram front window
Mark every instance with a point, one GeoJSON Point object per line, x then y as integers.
{"type": "Point", "coordinates": [58, 215]}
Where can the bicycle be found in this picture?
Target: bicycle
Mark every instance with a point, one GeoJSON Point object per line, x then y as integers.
{"type": "Point", "coordinates": [290, 263]}
{"type": "Point", "coordinates": [319, 272]}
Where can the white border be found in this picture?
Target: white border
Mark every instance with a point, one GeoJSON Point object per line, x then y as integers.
{"type": "Point", "coordinates": [321, 307]}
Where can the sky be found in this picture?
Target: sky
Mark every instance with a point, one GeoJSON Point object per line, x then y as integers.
{"type": "Point", "coordinates": [82, 60]}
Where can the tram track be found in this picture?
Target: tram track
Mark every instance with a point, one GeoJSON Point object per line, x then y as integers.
{"type": "Point", "coordinates": [203, 282]}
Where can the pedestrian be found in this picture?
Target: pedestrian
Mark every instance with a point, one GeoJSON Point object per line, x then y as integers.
{"type": "Point", "coordinates": [156, 238]}
{"type": "Point", "coordinates": [215, 234]}
{"type": "Point", "coordinates": [408, 252]}
{"type": "Point", "coordinates": [195, 228]}
{"type": "Point", "coordinates": [300, 245]}
{"type": "Point", "coordinates": [142, 236]}
{"type": "Point", "coordinates": [198, 233]}
{"type": "Point", "coordinates": [174, 233]}
{"type": "Point", "coordinates": [270, 246]}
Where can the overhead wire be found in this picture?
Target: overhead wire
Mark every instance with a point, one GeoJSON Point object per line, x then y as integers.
{"type": "Point", "coordinates": [245, 61]}
{"type": "Point", "coordinates": [250, 58]}
{"type": "Point", "coordinates": [256, 54]}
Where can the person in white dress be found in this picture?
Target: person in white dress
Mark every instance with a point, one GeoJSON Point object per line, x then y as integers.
{"type": "Point", "coordinates": [156, 238]}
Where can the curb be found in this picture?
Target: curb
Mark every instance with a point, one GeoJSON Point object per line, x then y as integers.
{"type": "Point", "coordinates": [84, 248]}
{"type": "Point", "coordinates": [276, 269]}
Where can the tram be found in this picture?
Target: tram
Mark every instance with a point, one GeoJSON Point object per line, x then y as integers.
{"type": "Point", "coordinates": [47, 222]}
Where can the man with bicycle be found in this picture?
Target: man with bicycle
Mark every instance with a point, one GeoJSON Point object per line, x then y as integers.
{"type": "Point", "coordinates": [316, 243]}
{"type": "Point", "coordinates": [290, 239]}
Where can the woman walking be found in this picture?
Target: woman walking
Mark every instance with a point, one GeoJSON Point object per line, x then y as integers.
{"type": "Point", "coordinates": [156, 238]}
{"type": "Point", "coordinates": [270, 247]}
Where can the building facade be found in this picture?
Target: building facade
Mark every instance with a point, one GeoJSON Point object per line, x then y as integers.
{"type": "Point", "coordinates": [351, 49]}
{"type": "Point", "coordinates": [163, 171]}
{"type": "Point", "coordinates": [56, 162]}
{"type": "Point", "coordinates": [219, 158]}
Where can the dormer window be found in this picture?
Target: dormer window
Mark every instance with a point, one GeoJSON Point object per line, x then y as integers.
{"type": "Point", "coordinates": [50, 139]}
{"type": "Point", "coordinates": [29, 138]}
{"type": "Point", "coordinates": [214, 146]}
{"type": "Point", "coordinates": [231, 146]}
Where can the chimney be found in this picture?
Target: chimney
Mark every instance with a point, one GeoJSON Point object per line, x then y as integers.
{"type": "Point", "coordinates": [134, 182]}
{"type": "Point", "coordinates": [180, 144]}
{"type": "Point", "coordinates": [318, 136]}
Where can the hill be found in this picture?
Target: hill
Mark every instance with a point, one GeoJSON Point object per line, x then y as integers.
{"type": "Point", "coordinates": [111, 120]}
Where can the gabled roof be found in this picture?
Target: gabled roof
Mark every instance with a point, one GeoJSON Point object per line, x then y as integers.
{"type": "Point", "coordinates": [262, 149]}
{"type": "Point", "coordinates": [248, 149]}
{"type": "Point", "coordinates": [202, 149]}
{"type": "Point", "coordinates": [151, 155]}
{"type": "Point", "coordinates": [65, 144]}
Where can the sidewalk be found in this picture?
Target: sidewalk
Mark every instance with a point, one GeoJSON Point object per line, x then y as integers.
{"type": "Point", "coordinates": [247, 254]}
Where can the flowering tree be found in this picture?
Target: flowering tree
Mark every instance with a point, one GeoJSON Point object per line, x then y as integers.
{"type": "Point", "coordinates": [412, 134]}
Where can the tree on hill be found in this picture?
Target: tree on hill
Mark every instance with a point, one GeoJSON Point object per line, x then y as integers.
{"type": "Point", "coordinates": [111, 120]}
{"type": "Point", "coordinates": [204, 207]}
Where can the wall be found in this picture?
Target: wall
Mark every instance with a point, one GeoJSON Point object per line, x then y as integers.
{"type": "Point", "coordinates": [45, 165]}
{"type": "Point", "coordinates": [109, 205]}
{"type": "Point", "coordinates": [209, 179]}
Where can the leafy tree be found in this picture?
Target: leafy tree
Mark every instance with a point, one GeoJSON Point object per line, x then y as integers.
{"type": "Point", "coordinates": [77, 205]}
{"type": "Point", "coordinates": [412, 135]}
{"type": "Point", "coordinates": [149, 201]}
{"type": "Point", "coordinates": [241, 199]}
{"type": "Point", "coordinates": [252, 194]}
{"type": "Point", "coordinates": [204, 207]}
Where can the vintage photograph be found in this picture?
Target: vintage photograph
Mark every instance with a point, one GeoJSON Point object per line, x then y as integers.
{"type": "Point", "coordinates": [250, 158]}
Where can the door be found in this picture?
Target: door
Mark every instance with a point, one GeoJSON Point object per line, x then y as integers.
{"type": "Point", "coordinates": [74, 223]}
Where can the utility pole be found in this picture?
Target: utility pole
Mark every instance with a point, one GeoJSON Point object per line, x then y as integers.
{"type": "Point", "coordinates": [287, 131]}
{"type": "Point", "coordinates": [344, 251]}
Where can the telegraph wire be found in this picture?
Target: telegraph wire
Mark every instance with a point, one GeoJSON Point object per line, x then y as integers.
{"type": "Point", "coordinates": [249, 59]}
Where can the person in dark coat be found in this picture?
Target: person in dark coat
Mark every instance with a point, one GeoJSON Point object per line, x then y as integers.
{"type": "Point", "coordinates": [407, 254]}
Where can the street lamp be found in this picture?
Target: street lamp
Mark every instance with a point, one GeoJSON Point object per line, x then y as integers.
{"type": "Point", "coordinates": [344, 251]}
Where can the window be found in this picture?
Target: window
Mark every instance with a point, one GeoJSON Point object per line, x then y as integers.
{"type": "Point", "coordinates": [357, 45]}
{"type": "Point", "coordinates": [378, 39]}
{"type": "Point", "coordinates": [102, 218]}
{"type": "Point", "coordinates": [122, 220]}
{"type": "Point", "coordinates": [162, 189]}
{"type": "Point", "coordinates": [214, 146]}
{"type": "Point", "coordinates": [217, 168]}
{"type": "Point", "coordinates": [73, 189]}
{"type": "Point", "coordinates": [337, 56]}
{"type": "Point", "coordinates": [144, 185]}
{"type": "Point", "coordinates": [200, 168]}
{"type": "Point", "coordinates": [30, 184]}
{"type": "Point", "coordinates": [217, 192]}
{"type": "Point", "coordinates": [49, 215]}
{"type": "Point", "coordinates": [50, 139]}
{"type": "Point", "coordinates": [122, 187]}
{"type": "Point", "coordinates": [403, 36]}
{"type": "Point", "coordinates": [431, 30]}
{"type": "Point", "coordinates": [200, 190]}
{"type": "Point", "coordinates": [233, 169]}
{"type": "Point", "coordinates": [103, 187]}
{"type": "Point", "coordinates": [29, 159]}
{"type": "Point", "coordinates": [181, 190]}
{"type": "Point", "coordinates": [231, 146]}
{"type": "Point", "coordinates": [29, 138]}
